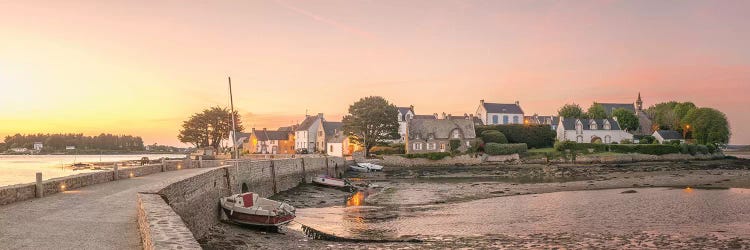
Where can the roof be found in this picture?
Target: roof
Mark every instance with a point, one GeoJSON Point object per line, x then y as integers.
{"type": "Point", "coordinates": [331, 128]}
{"type": "Point", "coordinates": [423, 117]}
{"type": "Point", "coordinates": [266, 135]}
{"type": "Point", "coordinates": [609, 107]}
{"type": "Point", "coordinates": [669, 134]}
{"type": "Point", "coordinates": [404, 110]}
{"type": "Point", "coordinates": [309, 121]}
{"type": "Point", "coordinates": [570, 124]}
{"type": "Point", "coordinates": [288, 128]}
{"type": "Point", "coordinates": [337, 138]}
{"type": "Point", "coordinates": [440, 129]}
{"type": "Point", "coordinates": [503, 108]}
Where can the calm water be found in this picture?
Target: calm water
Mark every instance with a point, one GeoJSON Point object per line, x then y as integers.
{"type": "Point", "coordinates": [668, 211]}
{"type": "Point", "coordinates": [17, 169]}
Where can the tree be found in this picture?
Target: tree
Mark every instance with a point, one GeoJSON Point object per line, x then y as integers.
{"type": "Point", "coordinates": [708, 126]}
{"type": "Point", "coordinates": [627, 119]}
{"type": "Point", "coordinates": [209, 128]}
{"type": "Point", "coordinates": [571, 111]}
{"type": "Point", "coordinates": [371, 121]}
{"type": "Point", "coordinates": [493, 136]}
{"type": "Point", "coordinates": [597, 111]}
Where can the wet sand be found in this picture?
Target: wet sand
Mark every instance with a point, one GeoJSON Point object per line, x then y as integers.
{"type": "Point", "coordinates": [415, 188]}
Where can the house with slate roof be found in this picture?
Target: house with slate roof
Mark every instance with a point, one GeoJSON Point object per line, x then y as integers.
{"type": "Point", "coordinates": [307, 133]}
{"type": "Point", "coordinates": [271, 142]}
{"type": "Point", "coordinates": [591, 130]}
{"type": "Point", "coordinates": [434, 135]}
{"type": "Point", "coordinates": [644, 121]}
{"type": "Point", "coordinates": [404, 115]}
{"type": "Point", "coordinates": [329, 129]}
{"type": "Point", "coordinates": [542, 119]}
{"type": "Point", "coordinates": [499, 113]}
{"type": "Point", "coordinates": [667, 136]}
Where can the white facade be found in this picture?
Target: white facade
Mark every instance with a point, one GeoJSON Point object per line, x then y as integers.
{"type": "Point", "coordinates": [591, 132]}
{"type": "Point", "coordinates": [38, 146]}
{"type": "Point", "coordinates": [403, 119]}
{"type": "Point", "coordinates": [661, 139]}
{"type": "Point", "coordinates": [306, 136]}
{"type": "Point", "coordinates": [495, 118]}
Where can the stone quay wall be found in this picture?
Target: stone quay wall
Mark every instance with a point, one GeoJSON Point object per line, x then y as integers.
{"type": "Point", "coordinates": [461, 160]}
{"type": "Point", "coordinates": [195, 199]}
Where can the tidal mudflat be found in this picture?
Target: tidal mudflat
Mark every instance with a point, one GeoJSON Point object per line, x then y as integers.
{"type": "Point", "coordinates": [702, 204]}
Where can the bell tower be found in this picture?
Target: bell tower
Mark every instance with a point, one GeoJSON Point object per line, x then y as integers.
{"type": "Point", "coordinates": [639, 103]}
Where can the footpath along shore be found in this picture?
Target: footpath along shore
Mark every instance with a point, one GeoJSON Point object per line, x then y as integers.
{"type": "Point", "coordinates": [101, 216]}
{"type": "Point", "coordinates": [424, 187]}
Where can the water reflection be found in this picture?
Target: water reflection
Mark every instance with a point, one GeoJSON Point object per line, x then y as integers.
{"type": "Point", "coordinates": [356, 199]}
{"type": "Point", "coordinates": [662, 210]}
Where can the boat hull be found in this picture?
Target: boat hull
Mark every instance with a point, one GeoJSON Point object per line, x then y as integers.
{"type": "Point", "coordinates": [258, 220]}
{"type": "Point", "coordinates": [331, 182]}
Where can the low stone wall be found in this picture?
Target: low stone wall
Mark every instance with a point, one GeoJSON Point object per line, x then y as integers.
{"type": "Point", "coordinates": [196, 198]}
{"type": "Point", "coordinates": [502, 158]}
{"type": "Point", "coordinates": [16, 193]}
{"type": "Point", "coordinates": [400, 161]}
{"type": "Point", "coordinates": [160, 227]}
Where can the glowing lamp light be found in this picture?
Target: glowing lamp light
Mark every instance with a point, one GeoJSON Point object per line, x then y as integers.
{"type": "Point", "coordinates": [132, 175]}
{"type": "Point", "coordinates": [62, 187]}
{"type": "Point", "coordinates": [688, 190]}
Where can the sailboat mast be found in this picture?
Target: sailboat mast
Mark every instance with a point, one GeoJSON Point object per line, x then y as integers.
{"type": "Point", "coordinates": [234, 128]}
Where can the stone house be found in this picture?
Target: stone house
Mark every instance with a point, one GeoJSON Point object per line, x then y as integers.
{"type": "Point", "coordinates": [591, 130]}
{"type": "Point", "coordinates": [644, 121]}
{"type": "Point", "coordinates": [271, 142]}
{"type": "Point", "coordinates": [306, 134]}
{"type": "Point", "coordinates": [404, 115]}
{"type": "Point", "coordinates": [499, 113]}
{"type": "Point", "coordinates": [434, 135]}
{"type": "Point", "coordinates": [328, 130]}
{"type": "Point", "coordinates": [668, 135]}
{"type": "Point", "coordinates": [542, 119]}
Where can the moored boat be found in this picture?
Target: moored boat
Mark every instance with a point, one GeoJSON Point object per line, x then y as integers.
{"type": "Point", "coordinates": [366, 167]}
{"type": "Point", "coordinates": [330, 181]}
{"type": "Point", "coordinates": [251, 209]}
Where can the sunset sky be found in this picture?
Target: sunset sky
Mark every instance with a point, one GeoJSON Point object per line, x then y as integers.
{"type": "Point", "coordinates": [142, 67]}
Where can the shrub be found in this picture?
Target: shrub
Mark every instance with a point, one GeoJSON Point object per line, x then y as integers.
{"type": "Point", "coordinates": [388, 150]}
{"type": "Point", "coordinates": [535, 136]}
{"type": "Point", "coordinates": [649, 149]}
{"type": "Point", "coordinates": [474, 146]}
{"type": "Point", "coordinates": [712, 148]}
{"type": "Point", "coordinates": [494, 136]}
{"type": "Point", "coordinates": [622, 148]}
{"type": "Point", "coordinates": [703, 149]}
{"type": "Point", "coordinates": [455, 144]}
{"type": "Point", "coordinates": [685, 149]}
{"type": "Point", "coordinates": [597, 147]}
{"type": "Point", "coordinates": [647, 139]}
{"type": "Point", "coordinates": [626, 141]}
{"type": "Point", "coordinates": [505, 149]}
{"type": "Point", "coordinates": [431, 156]}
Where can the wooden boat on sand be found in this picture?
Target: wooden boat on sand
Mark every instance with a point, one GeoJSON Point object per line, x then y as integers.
{"type": "Point", "coordinates": [251, 209]}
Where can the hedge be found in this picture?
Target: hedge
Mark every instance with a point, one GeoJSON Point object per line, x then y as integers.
{"type": "Point", "coordinates": [649, 149]}
{"type": "Point", "coordinates": [432, 156]}
{"type": "Point", "coordinates": [494, 136]}
{"type": "Point", "coordinates": [571, 145]}
{"type": "Point", "coordinates": [505, 149]}
{"type": "Point", "coordinates": [388, 150]}
{"type": "Point", "coordinates": [535, 136]}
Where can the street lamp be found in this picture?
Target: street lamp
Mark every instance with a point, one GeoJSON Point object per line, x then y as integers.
{"type": "Point", "coordinates": [684, 131]}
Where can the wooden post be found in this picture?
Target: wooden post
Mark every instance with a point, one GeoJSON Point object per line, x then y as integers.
{"type": "Point", "coordinates": [163, 165]}
{"type": "Point", "coordinates": [200, 161]}
{"type": "Point", "coordinates": [116, 172]}
{"type": "Point", "coordinates": [273, 177]}
{"type": "Point", "coordinates": [39, 185]}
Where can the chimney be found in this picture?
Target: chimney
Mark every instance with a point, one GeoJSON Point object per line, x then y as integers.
{"type": "Point", "coordinates": [449, 117]}
{"type": "Point", "coordinates": [411, 107]}
{"type": "Point", "coordinates": [264, 129]}
{"type": "Point", "coordinates": [517, 103]}
{"type": "Point", "coordinates": [436, 116]}
{"type": "Point", "coordinates": [320, 115]}
{"type": "Point", "coordinates": [481, 102]}
{"type": "Point", "coordinates": [466, 115]}
{"type": "Point", "coordinates": [444, 116]}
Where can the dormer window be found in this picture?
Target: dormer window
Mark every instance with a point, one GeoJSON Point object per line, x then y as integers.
{"type": "Point", "coordinates": [607, 126]}
{"type": "Point", "coordinates": [593, 125]}
{"type": "Point", "coordinates": [456, 134]}
{"type": "Point", "coordinates": [579, 127]}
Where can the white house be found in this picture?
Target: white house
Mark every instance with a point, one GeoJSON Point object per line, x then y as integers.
{"type": "Point", "coordinates": [499, 113]}
{"type": "Point", "coordinates": [38, 146]}
{"type": "Point", "coordinates": [591, 130]}
{"type": "Point", "coordinates": [306, 134]}
{"type": "Point", "coordinates": [668, 135]}
{"type": "Point", "coordinates": [404, 115]}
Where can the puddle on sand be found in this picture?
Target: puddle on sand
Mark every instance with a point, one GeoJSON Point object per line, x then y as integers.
{"type": "Point", "coordinates": [682, 211]}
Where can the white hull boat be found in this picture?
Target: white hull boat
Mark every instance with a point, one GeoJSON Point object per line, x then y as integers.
{"type": "Point", "coordinates": [366, 167]}
{"type": "Point", "coordinates": [330, 181]}
{"type": "Point", "coordinates": [251, 209]}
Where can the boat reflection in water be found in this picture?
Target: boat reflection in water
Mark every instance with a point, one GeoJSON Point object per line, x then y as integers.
{"type": "Point", "coordinates": [357, 199]}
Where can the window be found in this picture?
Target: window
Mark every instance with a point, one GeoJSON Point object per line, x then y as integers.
{"type": "Point", "coordinates": [320, 133]}
{"type": "Point", "coordinates": [331, 150]}
{"type": "Point", "coordinates": [468, 143]}
{"type": "Point", "coordinates": [494, 119]}
{"type": "Point", "coordinates": [579, 139]}
{"type": "Point", "coordinates": [515, 119]}
{"type": "Point", "coordinates": [456, 134]}
{"type": "Point", "coordinates": [416, 146]}
{"type": "Point", "coordinates": [442, 146]}
{"type": "Point", "coordinates": [505, 119]}
{"type": "Point", "coordinates": [607, 139]}
{"type": "Point", "coordinates": [431, 146]}
{"type": "Point", "coordinates": [579, 128]}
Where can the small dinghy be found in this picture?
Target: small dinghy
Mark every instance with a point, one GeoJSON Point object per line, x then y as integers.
{"type": "Point", "coordinates": [251, 209]}
{"type": "Point", "coordinates": [326, 180]}
{"type": "Point", "coordinates": [366, 167]}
